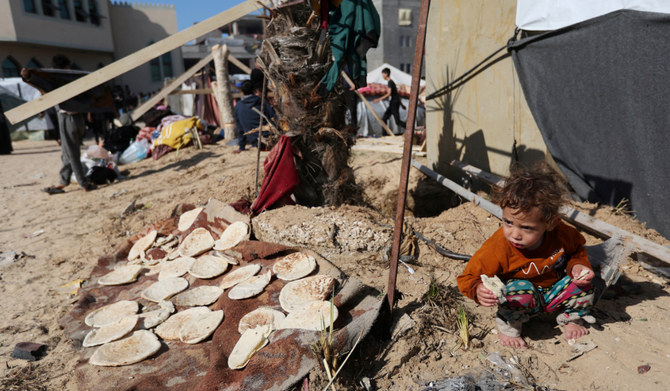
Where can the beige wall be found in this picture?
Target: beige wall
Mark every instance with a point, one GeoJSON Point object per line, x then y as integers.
{"type": "Point", "coordinates": [23, 53]}
{"type": "Point", "coordinates": [479, 122]}
{"type": "Point", "coordinates": [134, 26]}
{"type": "Point", "coordinates": [18, 25]}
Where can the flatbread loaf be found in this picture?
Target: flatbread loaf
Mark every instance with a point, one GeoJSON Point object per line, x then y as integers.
{"type": "Point", "coordinates": [249, 343]}
{"type": "Point", "coordinates": [142, 245]}
{"type": "Point", "coordinates": [169, 330]}
{"type": "Point", "coordinates": [294, 266]}
{"type": "Point", "coordinates": [163, 290]}
{"type": "Point", "coordinates": [201, 295]}
{"type": "Point", "coordinates": [238, 275]}
{"type": "Point", "coordinates": [111, 313]}
{"type": "Point", "coordinates": [200, 327]}
{"type": "Point", "coordinates": [134, 348]}
{"type": "Point", "coordinates": [187, 219]}
{"type": "Point", "coordinates": [196, 243]}
{"type": "Point", "coordinates": [250, 287]}
{"type": "Point", "coordinates": [297, 294]}
{"type": "Point", "coordinates": [232, 236]}
{"type": "Point", "coordinates": [176, 268]}
{"type": "Point", "coordinates": [122, 275]}
{"type": "Point", "coordinates": [315, 316]}
{"type": "Point", "coordinates": [208, 266]}
{"type": "Point", "coordinates": [110, 332]}
{"type": "Point", "coordinates": [153, 317]}
{"type": "Point", "coordinates": [263, 316]}
{"type": "Point", "coordinates": [495, 285]}
{"type": "Point", "coordinates": [229, 258]}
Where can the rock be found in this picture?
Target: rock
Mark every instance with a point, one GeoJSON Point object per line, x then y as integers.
{"type": "Point", "coordinates": [30, 351]}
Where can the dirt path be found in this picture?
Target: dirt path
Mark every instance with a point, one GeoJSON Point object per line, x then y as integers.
{"type": "Point", "coordinates": [58, 239]}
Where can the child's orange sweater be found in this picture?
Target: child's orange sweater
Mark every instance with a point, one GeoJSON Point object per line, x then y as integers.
{"type": "Point", "coordinates": [498, 257]}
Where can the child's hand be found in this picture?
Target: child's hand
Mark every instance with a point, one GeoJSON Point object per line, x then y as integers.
{"type": "Point", "coordinates": [588, 275]}
{"type": "Point", "coordinates": [485, 297]}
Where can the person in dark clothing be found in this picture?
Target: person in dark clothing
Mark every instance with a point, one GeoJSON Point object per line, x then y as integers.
{"type": "Point", "coordinates": [5, 136]}
{"type": "Point", "coordinates": [394, 105]}
{"type": "Point", "coordinates": [71, 126]}
{"type": "Point", "coordinates": [246, 118]}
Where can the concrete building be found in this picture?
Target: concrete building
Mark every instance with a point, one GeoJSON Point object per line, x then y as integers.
{"type": "Point", "coordinates": [399, 19]}
{"type": "Point", "coordinates": [91, 33]}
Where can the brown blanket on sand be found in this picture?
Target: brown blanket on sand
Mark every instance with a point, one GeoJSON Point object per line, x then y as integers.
{"type": "Point", "coordinates": [203, 366]}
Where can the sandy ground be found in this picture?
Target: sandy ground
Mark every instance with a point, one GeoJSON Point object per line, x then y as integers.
{"type": "Point", "coordinates": [58, 239]}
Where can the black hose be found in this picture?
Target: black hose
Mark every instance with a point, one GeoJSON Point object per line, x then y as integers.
{"type": "Point", "coordinates": [441, 250]}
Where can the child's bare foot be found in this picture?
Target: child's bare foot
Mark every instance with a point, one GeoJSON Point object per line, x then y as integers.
{"type": "Point", "coordinates": [513, 342]}
{"type": "Point", "coordinates": [574, 331]}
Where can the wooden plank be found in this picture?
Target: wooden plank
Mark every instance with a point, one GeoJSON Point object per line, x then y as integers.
{"type": "Point", "coordinates": [582, 220]}
{"type": "Point", "coordinates": [131, 61]}
{"type": "Point", "coordinates": [239, 64]}
{"type": "Point", "coordinates": [197, 91]}
{"type": "Point", "coordinates": [146, 106]}
{"type": "Point", "coordinates": [374, 113]}
{"type": "Point", "coordinates": [383, 149]}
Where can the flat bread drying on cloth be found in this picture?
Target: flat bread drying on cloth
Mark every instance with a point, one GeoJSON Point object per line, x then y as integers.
{"type": "Point", "coordinates": [163, 290]}
{"type": "Point", "coordinates": [263, 316]}
{"type": "Point", "coordinates": [110, 332]}
{"type": "Point", "coordinates": [187, 219]}
{"type": "Point", "coordinates": [315, 316]}
{"type": "Point", "coordinates": [153, 317]}
{"type": "Point", "coordinates": [249, 343]}
{"type": "Point", "coordinates": [122, 275]}
{"type": "Point", "coordinates": [232, 236]}
{"type": "Point", "coordinates": [294, 266]}
{"type": "Point", "coordinates": [238, 275]}
{"type": "Point", "coordinates": [142, 245]}
{"type": "Point", "coordinates": [176, 268]}
{"type": "Point", "coordinates": [200, 326]}
{"type": "Point", "coordinates": [298, 294]}
{"type": "Point", "coordinates": [250, 287]}
{"type": "Point", "coordinates": [208, 266]}
{"type": "Point", "coordinates": [134, 348]}
{"type": "Point", "coordinates": [111, 313]}
{"type": "Point", "coordinates": [169, 330]}
{"type": "Point", "coordinates": [198, 296]}
{"type": "Point", "coordinates": [196, 243]}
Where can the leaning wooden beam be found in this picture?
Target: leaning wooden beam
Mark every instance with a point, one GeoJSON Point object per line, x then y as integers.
{"type": "Point", "coordinates": [239, 64]}
{"type": "Point", "coordinates": [372, 110]}
{"type": "Point", "coordinates": [582, 220]}
{"type": "Point", "coordinates": [461, 191]}
{"type": "Point", "coordinates": [146, 106]}
{"type": "Point", "coordinates": [131, 61]}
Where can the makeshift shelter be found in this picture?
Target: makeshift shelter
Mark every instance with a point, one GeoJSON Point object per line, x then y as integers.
{"type": "Point", "coordinates": [15, 92]}
{"type": "Point", "coordinates": [593, 89]}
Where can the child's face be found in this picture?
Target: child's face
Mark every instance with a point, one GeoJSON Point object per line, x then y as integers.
{"type": "Point", "coordinates": [525, 230]}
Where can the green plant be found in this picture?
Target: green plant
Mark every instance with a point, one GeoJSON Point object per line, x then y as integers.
{"type": "Point", "coordinates": [462, 323]}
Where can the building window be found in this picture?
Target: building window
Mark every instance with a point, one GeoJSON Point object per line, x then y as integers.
{"type": "Point", "coordinates": [48, 8]}
{"type": "Point", "coordinates": [404, 17]}
{"type": "Point", "coordinates": [402, 41]}
{"type": "Point", "coordinates": [408, 41]}
{"type": "Point", "coordinates": [10, 68]}
{"type": "Point", "coordinates": [402, 67]}
{"type": "Point", "coordinates": [29, 6]}
{"type": "Point", "coordinates": [34, 64]}
{"type": "Point", "coordinates": [166, 59]}
{"type": "Point", "coordinates": [79, 14]}
{"type": "Point", "coordinates": [64, 9]}
{"type": "Point", "coordinates": [155, 66]}
{"type": "Point", "coordinates": [408, 68]}
{"type": "Point", "coordinates": [93, 12]}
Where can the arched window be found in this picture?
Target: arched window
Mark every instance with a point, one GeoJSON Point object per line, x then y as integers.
{"type": "Point", "coordinates": [64, 8]}
{"type": "Point", "coordinates": [33, 63]}
{"type": "Point", "coordinates": [10, 68]}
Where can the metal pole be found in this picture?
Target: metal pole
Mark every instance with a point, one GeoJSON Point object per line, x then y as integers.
{"type": "Point", "coordinates": [407, 150]}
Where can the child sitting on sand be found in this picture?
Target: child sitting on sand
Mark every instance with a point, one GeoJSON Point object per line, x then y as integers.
{"type": "Point", "coordinates": [541, 261]}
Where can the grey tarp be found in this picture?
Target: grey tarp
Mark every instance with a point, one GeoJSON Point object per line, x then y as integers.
{"type": "Point", "coordinates": [599, 91]}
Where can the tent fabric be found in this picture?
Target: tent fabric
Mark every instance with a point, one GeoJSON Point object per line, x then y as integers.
{"type": "Point", "coordinates": [398, 76]}
{"type": "Point", "coordinates": [598, 93]}
{"type": "Point", "coordinates": [368, 126]}
{"type": "Point", "coordinates": [15, 92]}
{"type": "Point", "coordinates": [544, 15]}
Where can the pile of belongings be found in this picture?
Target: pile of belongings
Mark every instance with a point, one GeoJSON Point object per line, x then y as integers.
{"type": "Point", "coordinates": [191, 301]}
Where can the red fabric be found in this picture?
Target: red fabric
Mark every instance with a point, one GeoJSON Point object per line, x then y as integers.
{"type": "Point", "coordinates": [280, 179]}
{"type": "Point", "coordinates": [145, 134]}
{"type": "Point", "coordinates": [211, 113]}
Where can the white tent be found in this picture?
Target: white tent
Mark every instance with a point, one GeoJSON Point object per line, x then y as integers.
{"type": "Point", "coordinates": [14, 93]}
{"type": "Point", "coordinates": [398, 76]}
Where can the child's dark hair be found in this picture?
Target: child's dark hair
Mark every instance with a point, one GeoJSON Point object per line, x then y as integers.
{"type": "Point", "coordinates": [539, 186]}
{"type": "Point", "coordinates": [387, 71]}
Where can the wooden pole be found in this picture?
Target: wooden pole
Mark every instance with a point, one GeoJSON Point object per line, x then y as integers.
{"type": "Point", "coordinates": [222, 91]}
{"type": "Point", "coordinates": [151, 102]}
{"type": "Point", "coordinates": [131, 61]}
{"type": "Point", "coordinates": [407, 150]}
{"type": "Point", "coordinates": [372, 110]}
